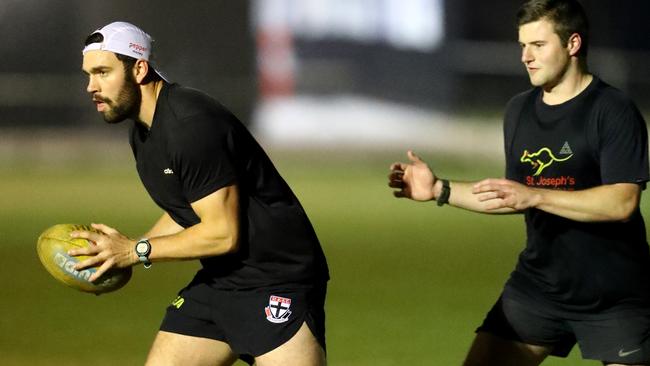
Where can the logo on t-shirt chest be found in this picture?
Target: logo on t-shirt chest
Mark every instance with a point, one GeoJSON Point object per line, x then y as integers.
{"type": "Point", "coordinates": [543, 158]}
{"type": "Point", "coordinates": [161, 181]}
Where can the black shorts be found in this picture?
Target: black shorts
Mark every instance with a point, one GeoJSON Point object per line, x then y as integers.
{"type": "Point", "coordinates": [620, 338]}
{"type": "Point", "coordinates": [252, 322]}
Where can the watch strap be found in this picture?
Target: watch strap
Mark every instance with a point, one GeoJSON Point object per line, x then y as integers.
{"type": "Point", "coordinates": [143, 256]}
{"type": "Point", "coordinates": [444, 193]}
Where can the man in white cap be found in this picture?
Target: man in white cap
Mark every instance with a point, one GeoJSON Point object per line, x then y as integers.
{"type": "Point", "coordinates": [260, 293]}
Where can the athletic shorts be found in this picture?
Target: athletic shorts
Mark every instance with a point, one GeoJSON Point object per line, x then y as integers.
{"type": "Point", "coordinates": [622, 338]}
{"type": "Point", "coordinates": [251, 322]}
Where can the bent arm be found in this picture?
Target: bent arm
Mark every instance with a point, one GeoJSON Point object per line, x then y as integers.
{"type": "Point", "coordinates": [216, 234]}
{"type": "Point", "coordinates": [611, 202]}
{"type": "Point", "coordinates": [164, 226]}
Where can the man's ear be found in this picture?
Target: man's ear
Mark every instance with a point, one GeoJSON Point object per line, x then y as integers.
{"type": "Point", "coordinates": [574, 45]}
{"type": "Point", "coordinates": [140, 70]}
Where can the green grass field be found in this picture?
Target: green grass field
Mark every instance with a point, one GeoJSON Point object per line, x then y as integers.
{"type": "Point", "coordinates": [410, 281]}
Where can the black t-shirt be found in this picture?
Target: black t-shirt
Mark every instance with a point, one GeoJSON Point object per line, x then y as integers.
{"type": "Point", "coordinates": [596, 138]}
{"type": "Point", "coordinates": [194, 148]}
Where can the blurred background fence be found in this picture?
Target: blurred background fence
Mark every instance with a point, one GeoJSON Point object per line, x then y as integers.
{"type": "Point", "coordinates": [415, 60]}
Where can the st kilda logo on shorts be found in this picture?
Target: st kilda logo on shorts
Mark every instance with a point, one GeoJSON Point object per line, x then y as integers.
{"type": "Point", "coordinates": [278, 309]}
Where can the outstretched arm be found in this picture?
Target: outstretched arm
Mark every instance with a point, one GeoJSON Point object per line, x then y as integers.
{"type": "Point", "coordinates": [415, 180]}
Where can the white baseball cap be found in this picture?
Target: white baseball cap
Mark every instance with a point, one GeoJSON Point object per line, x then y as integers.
{"type": "Point", "coordinates": [126, 39]}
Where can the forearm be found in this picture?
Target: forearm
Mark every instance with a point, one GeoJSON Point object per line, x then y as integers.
{"type": "Point", "coordinates": [616, 202]}
{"type": "Point", "coordinates": [114, 249]}
{"type": "Point", "coordinates": [461, 196]}
{"type": "Point", "coordinates": [417, 181]}
{"type": "Point", "coordinates": [164, 226]}
{"type": "Point", "coordinates": [198, 241]}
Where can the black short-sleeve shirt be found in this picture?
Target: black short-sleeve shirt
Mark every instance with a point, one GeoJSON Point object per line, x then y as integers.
{"type": "Point", "coordinates": [195, 147]}
{"type": "Point", "coordinates": [596, 138]}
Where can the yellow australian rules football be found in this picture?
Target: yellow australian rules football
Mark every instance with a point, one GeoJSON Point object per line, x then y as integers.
{"type": "Point", "coordinates": [52, 247]}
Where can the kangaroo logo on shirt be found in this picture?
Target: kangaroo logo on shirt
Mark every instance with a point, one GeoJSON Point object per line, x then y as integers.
{"type": "Point", "coordinates": [278, 309]}
{"type": "Point", "coordinates": [544, 157]}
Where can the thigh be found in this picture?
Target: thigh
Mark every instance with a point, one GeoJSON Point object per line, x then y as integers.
{"type": "Point", "coordinates": [301, 350]}
{"type": "Point", "coordinates": [261, 321]}
{"type": "Point", "coordinates": [490, 350]}
{"type": "Point", "coordinates": [621, 339]}
{"type": "Point", "coordinates": [171, 349]}
{"type": "Point", "coordinates": [516, 333]}
{"type": "Point", "coordinates": [189, 334]}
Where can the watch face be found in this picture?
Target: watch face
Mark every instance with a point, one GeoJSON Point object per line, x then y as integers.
{"type": "Point", "coordinates": [141, 248]}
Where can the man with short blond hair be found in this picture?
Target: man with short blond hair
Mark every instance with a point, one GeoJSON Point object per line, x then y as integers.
{"type": "Point", "coordinates": [576, 163]}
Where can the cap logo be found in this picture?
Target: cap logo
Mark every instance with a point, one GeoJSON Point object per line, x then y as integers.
{"type": "Point", "coordinates": [138, 48]}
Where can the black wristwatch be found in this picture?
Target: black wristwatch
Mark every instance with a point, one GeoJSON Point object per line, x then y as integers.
{"type": "Point", "coordinates": [444, 193]}
{"type": "Point", "coordinates": [143, 249]}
